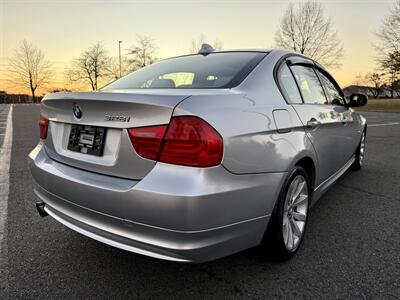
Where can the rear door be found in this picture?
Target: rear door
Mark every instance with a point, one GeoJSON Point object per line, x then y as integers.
{"type": "Point", "coordinates": [324, 123]}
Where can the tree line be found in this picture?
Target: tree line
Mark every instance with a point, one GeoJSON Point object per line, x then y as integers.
{"type": "Point", "coordinates": [304, 28]}
{"type": "Point", "coordinates": [95, 64]}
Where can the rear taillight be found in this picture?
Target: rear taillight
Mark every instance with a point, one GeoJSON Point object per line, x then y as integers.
{"type": "Point", "coordinates": [44, 126]}
{"type": "Point", "coordinates": [188, 141]}
{"type": "Point", "coordinates": [193, 142]}
{"type": "Point", "coordinates": [147, 140]}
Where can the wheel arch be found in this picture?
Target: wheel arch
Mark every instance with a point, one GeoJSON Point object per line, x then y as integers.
{"type": "Point", "coordinates": [307, 163]}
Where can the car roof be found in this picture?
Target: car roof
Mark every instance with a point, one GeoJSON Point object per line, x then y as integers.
{"type": "Point", "coordinates": [282, 52]}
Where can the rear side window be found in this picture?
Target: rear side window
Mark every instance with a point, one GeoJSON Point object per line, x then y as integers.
{"type": "Point", "coordinates": [309, 84]}
{"type": "Point", "coordinates": [215, 70]}
{"type": "Point", "coordinates": [288, 83]}
{"type": "Point", "coordinates": [334, 96]}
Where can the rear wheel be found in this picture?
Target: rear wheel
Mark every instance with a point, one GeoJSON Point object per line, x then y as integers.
{"type": "Point", "coordinates": [360, 154]}
{"type": "Point", "coordinates": [288, 222]}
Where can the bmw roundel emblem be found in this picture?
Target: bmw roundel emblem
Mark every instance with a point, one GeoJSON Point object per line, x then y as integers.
{"type": "Point", "coordinates": [77, 111]}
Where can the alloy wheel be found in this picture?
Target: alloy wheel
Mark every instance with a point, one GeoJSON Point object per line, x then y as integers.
{"type": "Point", "coordinates": [362, 149]}
{"type": "Point", "coordinates": [295, 212]}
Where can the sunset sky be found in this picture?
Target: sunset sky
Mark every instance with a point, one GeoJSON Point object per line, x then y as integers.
{"type": "Point", "coordinates": [62, 29]}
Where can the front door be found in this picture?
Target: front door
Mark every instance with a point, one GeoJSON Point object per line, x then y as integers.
{"type": "Point", "coordinates": [351, 129]}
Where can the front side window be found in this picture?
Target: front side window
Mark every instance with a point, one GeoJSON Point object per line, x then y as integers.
{"type": "Point", "coordinates": [334, 96]}
{"type": "Point", "coordinates": [287, 82]}
{"type": "Point", "coordinates": [215, 70]}
{"type": "Point", "coordinates": [309, 84]}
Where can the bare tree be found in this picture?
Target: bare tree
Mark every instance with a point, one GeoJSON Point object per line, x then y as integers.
{"type": "Point", "coordinates": [202, 39]}
{"type": "Point", "coordinates": [91, 66]}
{"type": "Point", "coordinates": [388, 50]}
{"type": "Point", "coordinates": [306, 30]}
{"type": "Point", "coordinates": [28, 68]}
{"type": "Point", "coordinates": [391, 67]}
{"type": "Point", "coordinates": [114, 67]}
{"type": "Point", "coordinates": [142, 53]}
{"type": "Point", "coordinates": [389, 33]}
{"type": "Point", "coordinates": [376, 80]}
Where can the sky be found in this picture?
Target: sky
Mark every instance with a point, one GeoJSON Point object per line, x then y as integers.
{"type": "Point", "coordinates": [62, 29]}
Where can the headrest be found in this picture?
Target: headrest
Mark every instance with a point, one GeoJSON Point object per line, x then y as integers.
{"type": "Point", "coordinates": [162, 83]}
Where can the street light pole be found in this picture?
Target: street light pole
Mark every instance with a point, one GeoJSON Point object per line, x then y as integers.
{"type": "Point", "coordinates": [119, 50]}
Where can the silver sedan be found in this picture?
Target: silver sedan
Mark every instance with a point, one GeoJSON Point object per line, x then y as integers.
{"type": "Point", "coordinates": [200, 156]}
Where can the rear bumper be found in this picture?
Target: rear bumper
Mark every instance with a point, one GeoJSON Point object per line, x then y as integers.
{"type": "Point", "coordinates": [175, 213]}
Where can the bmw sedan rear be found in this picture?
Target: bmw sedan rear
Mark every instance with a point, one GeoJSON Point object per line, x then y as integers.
{"type": "Point", "coordinates": [189, 159]}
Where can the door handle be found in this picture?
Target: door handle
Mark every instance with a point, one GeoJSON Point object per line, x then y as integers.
{"type": "Point", "coordinates": [312, 123]}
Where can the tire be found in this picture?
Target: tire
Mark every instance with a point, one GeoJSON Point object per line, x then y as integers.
{"type": "Point", "coordinates": [360, 153]}
{"type": "Point", "coordinates": [288, 218]}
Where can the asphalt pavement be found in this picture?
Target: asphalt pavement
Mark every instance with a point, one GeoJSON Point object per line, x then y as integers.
{"type": "Point", "coordinates": [351, 248]}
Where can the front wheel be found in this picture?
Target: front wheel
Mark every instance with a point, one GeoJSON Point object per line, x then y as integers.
{"type": "Point", "coordinates": [288, 222]}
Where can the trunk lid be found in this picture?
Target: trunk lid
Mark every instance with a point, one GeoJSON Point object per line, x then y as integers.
{"type": "Point", "coordinates": [113, 111]}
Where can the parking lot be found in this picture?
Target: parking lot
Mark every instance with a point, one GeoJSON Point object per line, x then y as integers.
{"type": "Point", "coordinates": [351, 248]}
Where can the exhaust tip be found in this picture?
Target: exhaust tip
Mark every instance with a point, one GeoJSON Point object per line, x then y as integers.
{"type": "Point", "coordinates": [40, 208]}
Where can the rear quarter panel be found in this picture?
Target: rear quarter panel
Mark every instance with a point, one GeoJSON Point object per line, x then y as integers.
{"type": "Point", "coordinates": [244, 118]}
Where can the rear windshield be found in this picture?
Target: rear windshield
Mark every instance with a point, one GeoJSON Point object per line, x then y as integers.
{"type": "Point", "coordinates": [215, 70]}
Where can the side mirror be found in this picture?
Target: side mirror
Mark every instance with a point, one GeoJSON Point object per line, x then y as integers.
{"type": "Point", "coordinates": [356, 100]}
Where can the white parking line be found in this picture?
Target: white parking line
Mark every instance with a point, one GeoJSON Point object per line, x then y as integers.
{"type": "Point", "coordinates": [384, 124]}
{"type": "Point", "coordinates": [5, 156]}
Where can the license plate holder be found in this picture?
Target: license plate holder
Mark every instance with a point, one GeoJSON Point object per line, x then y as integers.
{"type": "Point", "coordinates": [87, 139]}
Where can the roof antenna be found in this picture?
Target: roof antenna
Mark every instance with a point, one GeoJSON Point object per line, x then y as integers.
{"type": "Point", "coordinates": [206, 49]}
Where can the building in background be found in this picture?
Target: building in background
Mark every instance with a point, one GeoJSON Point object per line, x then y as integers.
{"type": "Point", "coordinates": [382, 92]}
{"type": "Point", "coordinates": [16, 98]}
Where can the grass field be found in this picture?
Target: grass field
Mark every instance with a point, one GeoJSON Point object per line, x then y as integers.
{"type": "Point", "coordinates": [381, 105]}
